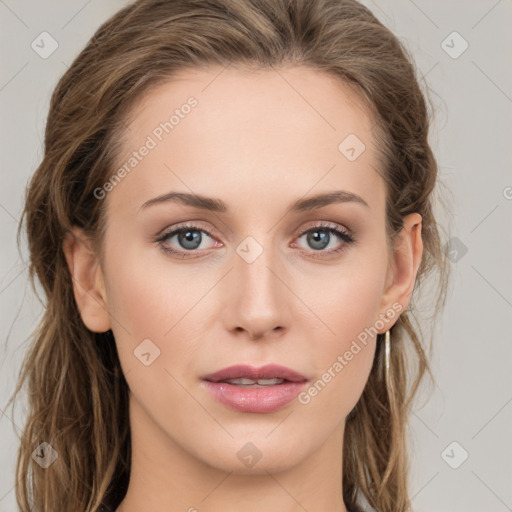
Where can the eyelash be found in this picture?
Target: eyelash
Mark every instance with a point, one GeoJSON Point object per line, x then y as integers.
{"type": "Point", "coordinates": [341, 234]}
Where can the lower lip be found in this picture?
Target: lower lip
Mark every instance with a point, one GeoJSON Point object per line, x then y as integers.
{"type": "Point", "coordinates": [264, 399]}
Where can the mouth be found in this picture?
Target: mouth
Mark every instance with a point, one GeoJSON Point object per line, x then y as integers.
{"type": "Point", "coordinates": [250, 383]}
{"type": "Point", "coordinates": [257, 390]}
{"type": "Point", "coordinates": [244, 375]}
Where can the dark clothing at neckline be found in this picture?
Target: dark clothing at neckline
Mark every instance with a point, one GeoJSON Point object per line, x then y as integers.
{"type": "Point", "coordinates": [349, 509]}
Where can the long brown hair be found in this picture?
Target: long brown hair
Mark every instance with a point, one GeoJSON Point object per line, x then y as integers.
{"type": "Point", "coordinates": [78, 398]}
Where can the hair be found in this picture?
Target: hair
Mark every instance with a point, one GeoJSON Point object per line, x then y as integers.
{"type": "Point", "coordinates": [77, 394]}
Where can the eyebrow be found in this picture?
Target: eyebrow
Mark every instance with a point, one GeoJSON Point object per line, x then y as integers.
{"type": "Point", "coordinates": [217, 205]}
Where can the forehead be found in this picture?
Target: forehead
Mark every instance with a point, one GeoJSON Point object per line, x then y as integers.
{"type": "Point", "coordinates": [305, 100]}
{"type": "Point", "coordinates": [251, 131]}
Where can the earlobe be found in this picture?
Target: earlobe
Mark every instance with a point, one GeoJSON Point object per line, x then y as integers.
{"type": "Point", "coordinates": [88, 282]}
{"type": "Point", "coordinates": [403, 268]}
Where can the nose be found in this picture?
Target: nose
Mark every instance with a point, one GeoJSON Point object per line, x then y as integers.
{"type": "Point", "coordinates": [259, 300]}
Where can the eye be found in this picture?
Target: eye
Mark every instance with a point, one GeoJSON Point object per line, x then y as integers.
{"type": "Point", "coordinates": [188, 239]}
{"type": "Point", "coordinates": [322, 236]}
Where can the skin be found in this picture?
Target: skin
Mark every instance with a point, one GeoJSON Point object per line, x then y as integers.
{"type": "Point", "coordinates": [258, 144]}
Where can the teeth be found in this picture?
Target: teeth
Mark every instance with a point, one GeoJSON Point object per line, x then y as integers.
{"type": "Point", "coordinates": [251, 382]}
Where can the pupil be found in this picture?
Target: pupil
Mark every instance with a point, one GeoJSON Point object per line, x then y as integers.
{"type": "Point", "coordinates": [319, 239]}
{"type": "Point", "coordinates": [190, 239]}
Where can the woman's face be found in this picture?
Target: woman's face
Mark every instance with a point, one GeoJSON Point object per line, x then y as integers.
{"type": "Point", "coordinates": [259, 276]}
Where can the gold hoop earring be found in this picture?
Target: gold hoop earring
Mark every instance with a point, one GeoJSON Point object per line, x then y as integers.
{"type": "Point", "coordinates": [387, 354]}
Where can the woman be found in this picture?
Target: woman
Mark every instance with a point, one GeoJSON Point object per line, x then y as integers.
{"type": "Point", "coordinates": [232, 213]}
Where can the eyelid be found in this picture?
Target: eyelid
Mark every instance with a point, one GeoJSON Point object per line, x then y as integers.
{"type": "Point", "coordinates": [326, 225]}
{"type": "Point", "coordinates": [192, 225]}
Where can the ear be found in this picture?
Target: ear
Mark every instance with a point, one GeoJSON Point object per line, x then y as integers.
{"type": "Point", "coordinates": [403, 266]}
{"type": "Point", "coordinates": [88, 283]}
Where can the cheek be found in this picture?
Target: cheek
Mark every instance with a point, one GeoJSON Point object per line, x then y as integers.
{"type": "Point", "coordinates": [151, 299]}
{"type": "Point", "coordinates": [343, 363]}
{"type": "Point", "coordinates": [349, 304]}
{"type": "Point", "coordinates": [349, 298]}
{"type": "Point", "coordinates": [146, 297]}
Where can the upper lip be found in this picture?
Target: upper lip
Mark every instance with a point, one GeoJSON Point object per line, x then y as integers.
{"type": "Point", "coordinates": [269, 371]}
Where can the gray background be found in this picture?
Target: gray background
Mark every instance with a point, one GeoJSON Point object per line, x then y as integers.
{"type": "Point", "coordinates": [472, 138]}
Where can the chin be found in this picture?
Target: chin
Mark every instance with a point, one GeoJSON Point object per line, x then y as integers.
{"type": "Point", "coordinates": [256, 454]}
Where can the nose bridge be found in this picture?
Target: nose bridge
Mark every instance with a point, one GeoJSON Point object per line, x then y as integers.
{"type": "Point", "coordinates": [258, 303]}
